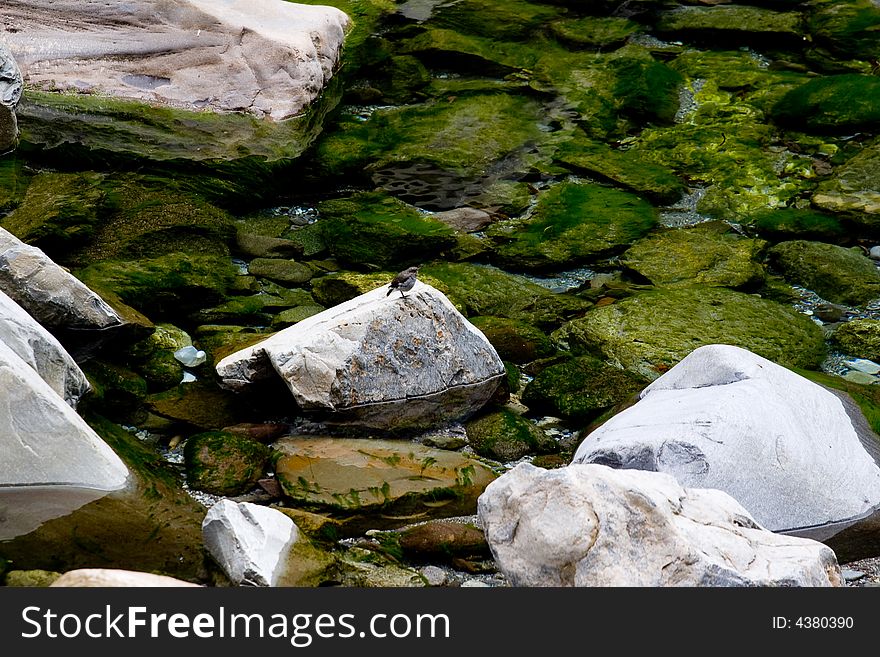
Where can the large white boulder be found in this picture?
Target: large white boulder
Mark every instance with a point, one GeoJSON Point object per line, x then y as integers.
{"type": "Point", "coordinates": [266, 57]}
{"type": "Point", "coordinates": [10, 93]}
{"type": "Point", "coordinates": [590, 525]}
{"type": "Point", "coordinates": [725, 418]}
{"type": "Point", "coordinates": [250, 542]}
{"type": "Point", "coordinates": [48, 292]}
{"type": "Point", "coordinates": [39, 349]}
{"type": "Point", "coordinates": [378, 361]}
{"type": "Point", "coordinates": [53, 462]}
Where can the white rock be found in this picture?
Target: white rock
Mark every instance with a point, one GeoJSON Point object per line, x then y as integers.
{"type": "Point", "coordinates": [250, 542]}
{"type": "Point", "coordinates": [725, 418]}
{"type": "Point", "coordinates": [874, 252]}
{"type": "Point", "coordinates": [53, 462]}
{"type": "Point", "coordinates": [380, 361]}
{"type": "Point", "coordinates": [189, 356]}
{"type": "Point", "coordinates": [102, 577]}
{"type": "Point", "coordinates": [862, 365]}
{"type": "Point", "coordinates": [39, 349]}
{"type": "Point", "coordinates": [49, 293]}
{"type": "Point", "coordinates": [267, 57]}
{"type": "Point", "coordinates": [590, 525]}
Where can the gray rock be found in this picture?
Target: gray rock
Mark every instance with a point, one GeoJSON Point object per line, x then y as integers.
{"type": "Point", "coordinates": [466, 220]}
{"type": "Point", "coordinates": [103, 577]}
{"type": "Point", "coordinates": [589, 525]}
{"type": "Point", "coordinates": [726, 418]}
{"type": "Point", "coordinates": [378, 361]}
{"type": "Point", "coordinates": [250, 542]}
{"type": "Point", "coordinates": [53, 462]}
{"type": "Point", "coordinates": [39, 349]}
{"type": "Point", "coordinates": [10, 93]}
{"type": "Point", "coordinates": [52, 295]}
{"type": "Point", "coordinates": [265, 57]}
{"type": "Point", "coordinates": [434, 575]}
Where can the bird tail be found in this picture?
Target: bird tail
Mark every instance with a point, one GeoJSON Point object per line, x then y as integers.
{"type": "Point", "coordinates": [390, 290]}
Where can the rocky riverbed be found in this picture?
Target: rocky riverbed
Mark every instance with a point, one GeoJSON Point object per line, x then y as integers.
{"type": "Point", "coordinates": [592, 193]}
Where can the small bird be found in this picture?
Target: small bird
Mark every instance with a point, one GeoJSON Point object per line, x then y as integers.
{"type": "Point", "coordinates": [404, 281]}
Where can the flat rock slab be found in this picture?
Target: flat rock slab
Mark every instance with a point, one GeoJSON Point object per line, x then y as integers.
{"type": "Point", "coordinates": [378, 361]}
{"type": "Point", "coordinates": [401, 480]}
{"type": "Point", "coordinates": [590, 525]}
{"type": "Point", "coordinates": [39, 349]}
{"type": "Point", "coordinates": [267, 57]}
{"type": "Point", "coordinates": [784, 447]}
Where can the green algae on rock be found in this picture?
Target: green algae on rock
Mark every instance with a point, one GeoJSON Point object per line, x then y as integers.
{"type": "Point", "coordinates": [852, 188]}
{"type": "Point", "coordinates": [859, 338]}
{"type": "Point", "coordinates": [573, 223]}
{"type": "Point", "coordinates": [482, 290]}
{"type": "Point", "coordinates": [510, 20]}
{"type": "Point", "coordinates": [832, 104]}
{"type": "Point", "coordinates": [847, 27]}
{"type": "Point", "coordinates": [748, 24]}
{"type": "Point", "coordinates": [835, 273]}
{"type": "Point", "coordinates": [505, 436]}
{"type": "Point", "coordinates": [707, 254]}
{"type": "Point", "coordinates": [650, 332]}
{"type": "Point", "coordinates": [153, 357]}
{"type": "Point", "coordinates": [223, 463]}
{"type": "Point", "coordinates": [780, 224]}
{"type": "Point", "coordinates": [594, 31]}
{"type": "Point", "coordinates": [514, 340]}
{"type": "Point", "coordinates": [378, 483]}
{"type": "Point", "coordinates": [580, 389]}
{"type": "Point", "coordinates": [118, 392]}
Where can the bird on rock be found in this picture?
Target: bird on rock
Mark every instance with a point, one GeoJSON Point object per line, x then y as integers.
{"type": "Point", "coordinates": [404, 281]}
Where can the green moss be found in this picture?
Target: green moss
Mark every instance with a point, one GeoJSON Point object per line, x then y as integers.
{"type": "Point", "coordinates": [506, 436]}
{"type": "Point", "coordinates": [31, 578]}
{"type": "Point", "coordinates": [594, 31]}
{"type": "Point", "coordinates": [223, 463]}
{"type": "Point", "coordinates": [510, 20]}
{"type": "Point", "coordinates": [153, 357]}
{"type": "Point", "coordinates": [835, 273]}
{"type": "Point", "coordinates": [118, 392]}
{"type": "Point", "coordinates": [744, 21]}
{"type": "Point", "coordinates": [647, 89]}
{"type": "Point", "coordinates": [166, 286]}
{"type": "Point", "coordinates": [707, 254]}
{"type": "Point", "coordinates": [471, 53]}
{"type": "Point", "coordinates": [14, 181]}
{"type": "Point", "coordinates": [280, 270]}
{"type": "Point", "coordinates": [832, 104]}
{"type": "Point", "coordinates": [293, 315]}
{"type": "Point", "coordinates": [336, 288]}
{"type": "Point", "coordinates": [373, 230]}
{"type": "Point", "coordinates": [794, 223]}
{"type": "Point", "coordinates": [513, 340]}
{"type": "Point", "coordinates": [650, 332]}
{"type": "Point", "coordinates": [573, 223]}
{"type": "Point", "coordinates": [580, 389]}
{"type": "Point", "coordinates": [60, 212]}
{"type": "Point", "coordinates": [847, 27]}
{"type": "Point", "coordinates": [200, 404]}
{"type": "Point", "coordinates": [627, 169]}
{"type": "Point", "coordinates": [852, 189]}
{"type": "Point", "coordinates": [480, 290]}
{"type": "Point", "coordinates": [859, 338]}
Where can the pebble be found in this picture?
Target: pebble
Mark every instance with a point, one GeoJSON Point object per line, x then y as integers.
{"type": "Point", "coordinates": [474, 583]}
{"type": "Point", "coordinates": [434, 575]}
{"type": "Point", "coordinates": [851, 575]}
{"type": "Point", "coordinates": [874, 252]}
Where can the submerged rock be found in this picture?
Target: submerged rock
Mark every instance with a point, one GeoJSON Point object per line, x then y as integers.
{"type": "Point", "coordinates": [378, 361]}
{"type": "Point", "coordinates": [589, 525]}
{"type": "Point", "coordinates": [726, 418]}
{"type": "Point", "coordinates": [852, 189]}
{"type": "Point", "coordinates": [10, 93]}
{"type": "Point", "coordinates": [222, 463]}
{"type": "Point", "coordinates": [39, 349]}
{"type": "Point", "coordinates": [505, 436]}
{"type": "Point", "coordinates": [832, 104]}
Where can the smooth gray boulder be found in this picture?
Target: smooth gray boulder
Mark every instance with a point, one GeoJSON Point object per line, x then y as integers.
{"type": "Point", "coordinates": [590, 525]}
{"type": "Point", "coordinates": [39, 349]}
{"type": "Point", "coordinates": [785, 448]}
{"type": "Point", "coordinates": [48, 292]}
{"type": "Point", "coordinates": [10, 93]}
{"type": "Point", "coordinates": [250, 542]}
{"type": "Point", "coordinates": [270, 58]}
{"type": "Point", "coordinates": [53, 462]}
{"type": "Point", "coordinates": [378, 361]}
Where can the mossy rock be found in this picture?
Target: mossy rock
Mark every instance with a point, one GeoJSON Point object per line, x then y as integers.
{"type": "Point", "coordinates": [832, 104]}
{"type": "Point", "coordinates": [573, 223]}
{"type": "Point", "coordinates": [373, 230]}
{"type": "Point", "coordinates": [309, 565]}
{"type": "Point", "coordinates": [515, 341]}
{"type": "Point", "coordinates": [647, 90]}
{"type": "Point", "coordinates": [627, 169]}
{"type": "Point", "coordinates": [836, 274]}
{"type": "Point", "coordinates": [219, 340]}
{"type": "Point", "coordinates": [594, 31]}
{"type": "Point", "coordinates": [153, 357]}
{"type": "Point", "coordinates": [15, 178]}
{"type": "Point", "coordinates": [852, 189]}
{"type": "Point", "coordinates": [505, 436]}
{"type": "Point", "coordinates": [512, 20]}
{"type": "Point", "coordinates": [167, 286]}
{"type": "Point", "coordinates": [152, 526]}
{"type": "Point", "coordinates": [481, 290]}
{"type": "Point", "coordinates": [59, 213]}
{"type": "Point", "coordinates": [223, 463]}
{"type": "Point", "coordinates": [117, 392]}
{"type": "Point", "coordinates": [294, 315]}
{"type": "Point", "coordinates": [334, 289]}
{"type": "Point", "coordinates": [470, 53]}
{"type": "Point", "coordinates": [650, 332]}
{"type": "Point", "coordinates": [238, 310]}
{"type": "Point", "coordinates": [30, 578]}
{"type": "Point", "coordinates": [728, 69]}
{"type": "Point", "coordinates": [507, 197]}
{"type": "Point", "coordinates": [580, 389]}
{"type": "Point", "coordinates": [782, 224]}
{"type": "Point", "coordinates": [254, 245]}
{"type": "Point", "coordinates": [707, 254]}
{"type": "Point", "coordinates": [200, 404]}
{"type": "Point", "coordinates": [280, 270]}
{"type": "Point", "coordinates": [848, 28]}
{"type": "Point", "coordinates": [442, 539]}
{"type": "Point", "coordinates": [746, 24]}
{"type": "Point", "coordinates": [859, 338]}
